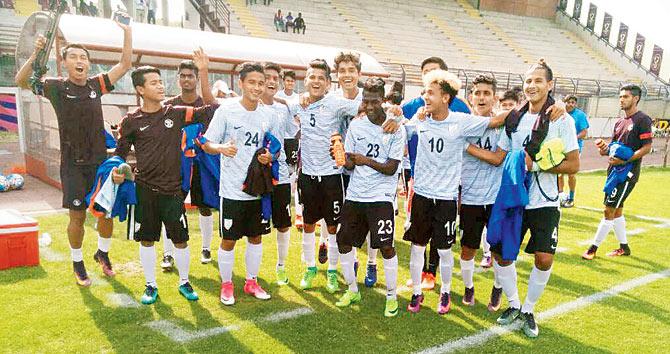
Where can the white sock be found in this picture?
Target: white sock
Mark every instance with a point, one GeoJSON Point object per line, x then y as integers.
{"type": "Point", "coordinates": [168, 246]}
{"type": "Point", "coordinates": [77, 254]}
{"type": "Point", "coordinates": [416, 261]}
{"type": "Point", "coordinates": [148, 260]}
{"type": "Point", "coordinates": [604, 228]}
{"type": "Point", "coordinates": [372, 253]}
{"type": "Point", "coordinates": [182, 258]}
{"type": "Point", "coordinates": [391, 274]}
{"type": "Point", "coordinates": [467, 271]}
{"type": "Point", "coordinates": [496, 279]}
{"type": "Point", "coordinates": [486, 247]}
{"type": "Point", "coordinates": [308, 253]}
{"type": "Point", "coordinates": [283, 241]}
{"type": "Point", "coordinates": [206, 229]}
{"type": "Point", "coordinates": [446, 269]}
{"type": "Point", "coordinates": [347, 260]}
{"type": "Point", "coordinates": [536, 282]}
{"type": "Point", "coordinates": [333, 251]}
{"type": "Point", "coordinates": [507, 278]}
{"type": "Point", "coordinates": [253, 258]}
{"type": "Point", "coordinates": [104, 243]}
{"type": "Point", "coordinates": [226, 263]}
{"type": "Point", "coordinates": [620, 229]}
{"type": "Point", "coordinates": [323, 235]}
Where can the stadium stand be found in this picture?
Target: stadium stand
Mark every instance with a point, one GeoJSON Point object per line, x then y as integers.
{"type": "Point", "coordinates": [398, 32]}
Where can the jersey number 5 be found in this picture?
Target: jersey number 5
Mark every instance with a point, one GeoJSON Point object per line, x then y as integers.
{"type": "Point", "coordinates": [312, 120]}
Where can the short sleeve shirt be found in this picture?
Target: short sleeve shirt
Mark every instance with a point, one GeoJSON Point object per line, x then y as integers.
{"type": "Point", "coordinates": [79, 115]}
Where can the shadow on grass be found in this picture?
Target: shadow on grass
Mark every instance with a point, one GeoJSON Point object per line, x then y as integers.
{"type": "Point", "coordinates": [20, 274]}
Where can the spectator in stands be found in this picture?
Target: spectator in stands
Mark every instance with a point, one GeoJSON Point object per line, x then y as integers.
{"type": "Point", "coordinates": [582, 128]}
{"type": "Point", "coordinates": [265, 2]}
{"type": "Point", "coordinates": [140, 9]}
{"type": "Point", "coordinates": [83, 8]}
{"type": "Point", "coordinates": [6, 4]}
{"type": "Point", "coordinates": [250, 2]}
{"type": "Point", "coordinates": [92, 9]}
{"type": "Point", "coordinates": [289, 21]}
{"type": "Point", "coordinates": [299, 24]}
{"type": "Point", "coordinates": [151, 11]}
{"type": "Point", "coordinates": [279, 21]}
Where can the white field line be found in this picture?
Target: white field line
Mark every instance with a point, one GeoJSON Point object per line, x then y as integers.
{"type": "Point", "coordinates": [662, 223]}
{"type": "Point", "coordinates": [485, 335]}
{"type": "Point", "coordinates": [180, 335]}
{"type": "Point", "coordinates": [50, 255]}
{"type": "Point", "coordinates": [123, 300]}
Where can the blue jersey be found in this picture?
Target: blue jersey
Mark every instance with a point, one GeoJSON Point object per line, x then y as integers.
{"type": "Point", "coordinates": [480, 180]}
{"type": "Point", "coordinates": [369, 139]}
{"type": "Point", "coordinates": [543, 189]}
{"type": "Point", "coordinates": [232, 122]}
{"type": "Point", "coordinates": [439, 159]}
{"type": "Point", "coordinates": [581, 123]}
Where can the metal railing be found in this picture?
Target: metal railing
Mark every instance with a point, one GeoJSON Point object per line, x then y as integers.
{"type": "Point", "coordinates": [508, 80]}
{"type": "Point", "coordinates": [221, 14]}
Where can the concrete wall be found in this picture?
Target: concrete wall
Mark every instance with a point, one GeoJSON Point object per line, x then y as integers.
{"type": "Point", "coordinates": [533, 8]}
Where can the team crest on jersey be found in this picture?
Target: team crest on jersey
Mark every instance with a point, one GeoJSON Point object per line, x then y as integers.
{"type": "Point", "coordinates": [169, 123]}
{"type": "Point", "coordinates": [630, 127]}
{"type": "Point", "coordinates": [93, 94]}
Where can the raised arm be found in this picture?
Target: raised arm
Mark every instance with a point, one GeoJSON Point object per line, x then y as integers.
{"type": "Point", "coordinates": [120, 69]}
{"type": "Point", "coordinates": [26, 70]}
{"type": "Point", "coordinates": [201, 61]}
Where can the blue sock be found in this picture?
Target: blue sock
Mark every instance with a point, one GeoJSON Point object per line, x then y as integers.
{"type": "Point", "coordinates": [572, 195]}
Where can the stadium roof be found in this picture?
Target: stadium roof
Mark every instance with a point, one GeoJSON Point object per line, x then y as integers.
{"type": "Point", "coordinates": [166, 46]}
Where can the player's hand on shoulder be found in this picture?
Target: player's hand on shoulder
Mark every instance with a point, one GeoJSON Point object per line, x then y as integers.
{"type": "Point", "coordinates": [304, 100]}
{"type": "Point", "coordinates": [390, 126]}
{"type": "Point", "coordinates": [556, 111]}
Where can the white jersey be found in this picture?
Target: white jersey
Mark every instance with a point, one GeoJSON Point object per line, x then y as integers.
{"type": "Point", "coordinates": [439, 158]}
{"type": "Point", "coordinates": [480, 180]}
{"type": "Point", "coordinates": [292, 99]}
{"type": "Point", "coordinates": [317, 123]}
{"type": "Point", "coordinates": [247, 129]}
{"type": "Point", "coordinates": [358, 99]}
{"type": "Point", "coordinates": [369, 139]}
{"type": "Point", "coordinates": [286, 129]}
{"type": "Point", "coordinates": [543, 194]}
